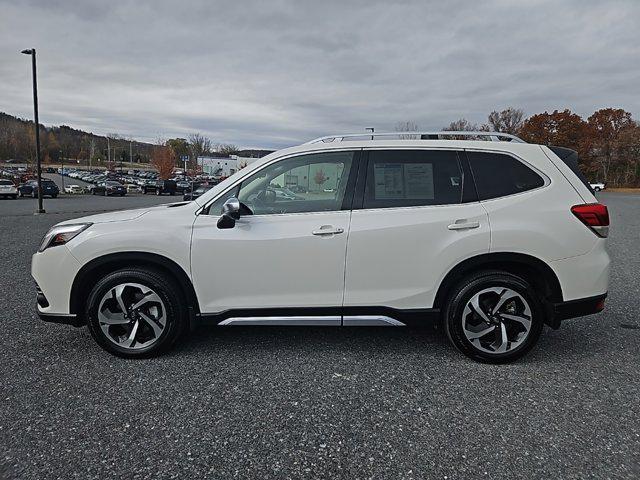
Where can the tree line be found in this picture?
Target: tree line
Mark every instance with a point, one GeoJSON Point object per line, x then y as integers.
{"type": "Point", "coordinates": [17, 142]}
{"type": "Point", "coordinates": [607, 142]}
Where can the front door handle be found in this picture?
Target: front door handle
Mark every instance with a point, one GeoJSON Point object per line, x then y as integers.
{"type": "Point", "coordinates": [327, 230]}
{"type": "Point", "coordinates": [463, 225]}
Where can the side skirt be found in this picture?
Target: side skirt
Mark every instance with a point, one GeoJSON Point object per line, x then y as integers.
{"type": "Point", "coordinates": [323, 316]}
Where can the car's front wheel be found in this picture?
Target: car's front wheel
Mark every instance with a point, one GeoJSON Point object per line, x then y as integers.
{"type": "Point", "coordinates": [494, 317]}
{"type": "Point", "coordinates": [136, 312]}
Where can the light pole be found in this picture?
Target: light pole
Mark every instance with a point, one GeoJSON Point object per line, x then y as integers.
{"type": "Point", "coordinates": [32, 52]}
{"type": "Point", "coordinates": [62, 169]}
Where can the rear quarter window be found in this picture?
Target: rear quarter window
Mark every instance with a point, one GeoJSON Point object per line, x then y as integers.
{"type": "Point", "coordinates": [499, 175]}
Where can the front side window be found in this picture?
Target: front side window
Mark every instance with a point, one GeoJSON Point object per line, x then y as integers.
{"type": "Point", "coordinates": [307, 183]}
{"type": "Point", "coordinates": [498, 175]}
{"type": "Point", "coordinates": [408, 178]}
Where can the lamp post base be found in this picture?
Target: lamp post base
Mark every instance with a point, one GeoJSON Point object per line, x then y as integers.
{"type": "Point", "coordinates": [39, 211]}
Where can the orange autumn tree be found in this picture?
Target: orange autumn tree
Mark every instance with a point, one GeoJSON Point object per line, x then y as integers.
{"type": "Point", "coordinates": [163, 159]}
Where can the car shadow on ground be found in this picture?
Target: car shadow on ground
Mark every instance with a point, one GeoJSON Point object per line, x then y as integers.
{"type": "Point", "coordinates": [554, 347]}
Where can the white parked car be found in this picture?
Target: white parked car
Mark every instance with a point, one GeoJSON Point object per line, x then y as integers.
{"type": "Point", "coordinates": [133, 188]}
{"type": "Point", "coordinates": [73, 189]}
{"type": "Point", "coordinates": [8, 189]}
{"type": "Point", "coordinates": [490, 239]}
{"type": "Point", "coordinates": [597, 187]}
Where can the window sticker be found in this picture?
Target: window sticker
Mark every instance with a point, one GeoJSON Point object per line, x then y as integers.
{"type": "Point", "coordinates": [403, 181]}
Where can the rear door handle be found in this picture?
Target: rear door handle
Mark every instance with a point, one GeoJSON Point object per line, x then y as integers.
{"type": "Point", "coordinates": [463, 225]}
{"type": "Point", "coordinates": [327, 230]}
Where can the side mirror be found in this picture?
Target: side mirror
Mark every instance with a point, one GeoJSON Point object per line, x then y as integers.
{"type": "Point", "coordinates": [230, 213]}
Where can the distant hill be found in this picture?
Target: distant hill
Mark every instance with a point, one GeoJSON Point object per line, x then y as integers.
{"type": "Point", "coordinates": [17, 141]}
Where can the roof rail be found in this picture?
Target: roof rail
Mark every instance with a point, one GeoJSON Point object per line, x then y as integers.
{"type": "Point", "coordinates": [492, 136]}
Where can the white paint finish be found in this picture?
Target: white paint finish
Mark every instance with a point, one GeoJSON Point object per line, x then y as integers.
{"type": "Point", "coordinates": [397, 257]}
{"type": "Point", "coordinates": [539, 222]}
{"type": "Point", "coordinates": [269, 261]}
{"type": "Point", "coordinates": [54, 271]}
{"type": "Point", "coordinates": [162, 231]}
{"type": "Point", "coordinates": [586, 275]}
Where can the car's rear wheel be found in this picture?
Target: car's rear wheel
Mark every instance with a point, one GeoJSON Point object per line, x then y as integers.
{"type": "Point", "coordinates": [494, 317]}
{"type": "Point", "coordinates": [136, 312]}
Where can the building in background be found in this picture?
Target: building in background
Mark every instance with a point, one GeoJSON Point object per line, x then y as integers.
{"type": "Point", "coordinates": [223, 166]}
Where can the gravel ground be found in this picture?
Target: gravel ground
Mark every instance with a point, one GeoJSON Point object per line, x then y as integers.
{"type": "Point", "coordinates": [315, 402]}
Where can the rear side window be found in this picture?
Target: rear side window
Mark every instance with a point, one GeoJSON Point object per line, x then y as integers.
{"type": "Point", "coordinates": [571, 159]}
{"type": "Point", "coordinates": [498, 175]}
{"type": "Point", "coordinates": [407, 178]}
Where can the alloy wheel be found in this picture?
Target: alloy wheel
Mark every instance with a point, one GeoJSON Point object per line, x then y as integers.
{"type": "Point", "coordinates": [132, 316]}
{"type": "Point", "coordinates": [496, 320]}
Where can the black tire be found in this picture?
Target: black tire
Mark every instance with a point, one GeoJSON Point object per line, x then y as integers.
{"type": "Point", "coordinates": [463, 293]}
{"type": "Point", "coordinates": [54, 196]}
{"type": "Point", "coordinates": [168, 290]}
{"type": "Point", "coordinates": [13, 197]}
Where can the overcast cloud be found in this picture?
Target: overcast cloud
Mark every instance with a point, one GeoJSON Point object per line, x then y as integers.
{"type": "Point", "coordinates": [276, 73]}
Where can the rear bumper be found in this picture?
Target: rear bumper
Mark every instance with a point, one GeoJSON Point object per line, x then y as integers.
{"type": "Point", "coordinates": [579, 307]}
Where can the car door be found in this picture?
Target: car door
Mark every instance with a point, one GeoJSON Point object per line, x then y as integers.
{"type": "Point", "coordinates": [290, 252]}
{"type": "Point", "coordinates": [415, 217]}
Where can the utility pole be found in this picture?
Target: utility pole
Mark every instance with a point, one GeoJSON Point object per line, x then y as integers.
{"type": "Point", "coordinates": [32, 52]}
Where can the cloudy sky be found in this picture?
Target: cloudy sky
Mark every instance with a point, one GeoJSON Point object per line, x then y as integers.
{"type": "Point", "coordinates": [276, 73]}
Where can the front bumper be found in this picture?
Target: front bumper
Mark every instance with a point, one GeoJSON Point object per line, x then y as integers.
{"type": "Point", "coordinates": [65, 318]}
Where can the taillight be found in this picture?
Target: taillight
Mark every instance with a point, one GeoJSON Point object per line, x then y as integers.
{"type": "Point", "coordinates": [595, 216]}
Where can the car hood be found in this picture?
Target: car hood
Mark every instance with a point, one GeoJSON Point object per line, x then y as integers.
{"type": "Point", "coordinates": [122, 215]}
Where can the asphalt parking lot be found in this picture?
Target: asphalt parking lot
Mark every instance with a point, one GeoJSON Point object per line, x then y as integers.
{"type": "Point", "coordinates": [346, 403]}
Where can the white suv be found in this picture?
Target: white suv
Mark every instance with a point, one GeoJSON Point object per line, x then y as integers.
{"type": "Point", "coordinates": [490, 239]}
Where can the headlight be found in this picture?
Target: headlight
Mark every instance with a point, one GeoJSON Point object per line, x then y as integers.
{"type": "Point", "coordinates": [59, 235]}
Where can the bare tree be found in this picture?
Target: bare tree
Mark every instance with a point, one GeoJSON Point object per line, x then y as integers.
{"type": "Point", "coordinates": [507, 121]}
{"type": "Point", "coordinates": [462, 125]}
{"type": "Point", "coordinates": [199, 145]}
{"type": "Point", "coordinates": [407, 126]}
{"type": "Point", "coordinates": [226, 149]}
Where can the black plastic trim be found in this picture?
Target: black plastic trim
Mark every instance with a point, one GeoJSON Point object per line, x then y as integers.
{"type": "Point", "coordinates": [579, 308]}
{"type": "Point", "coordinates": [124, 260]}
{"type": "Point", "coordinates": [67, 319]}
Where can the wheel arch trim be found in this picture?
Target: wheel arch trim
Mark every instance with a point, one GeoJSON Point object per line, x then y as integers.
{"type": "Point", "coordinates": [507, 261]}
{"type": "Point", "coordinates": [114, 261]}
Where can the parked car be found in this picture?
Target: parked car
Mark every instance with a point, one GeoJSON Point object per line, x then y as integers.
{"type": "Point", "coordinates": [597, 187]}
{"type": "Point", "coordinates": [197, 192]}
{"type": "Point", "coordinates": [109, 188]}
{"type": "Point", "coordinates": [182, 186]}
{"type": "Point", "coordinates": [133, 188]}
{"type": "Point", "coordinates": [73, 189]}
{"type": "Point", "coordinates": [160, 187]}
{"type": "Point", "coordinates": [489, 239]}
{"type": "Point", "coordinates": [8, 189]}
{"type": "Point", "coordinates": [30, 188]}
